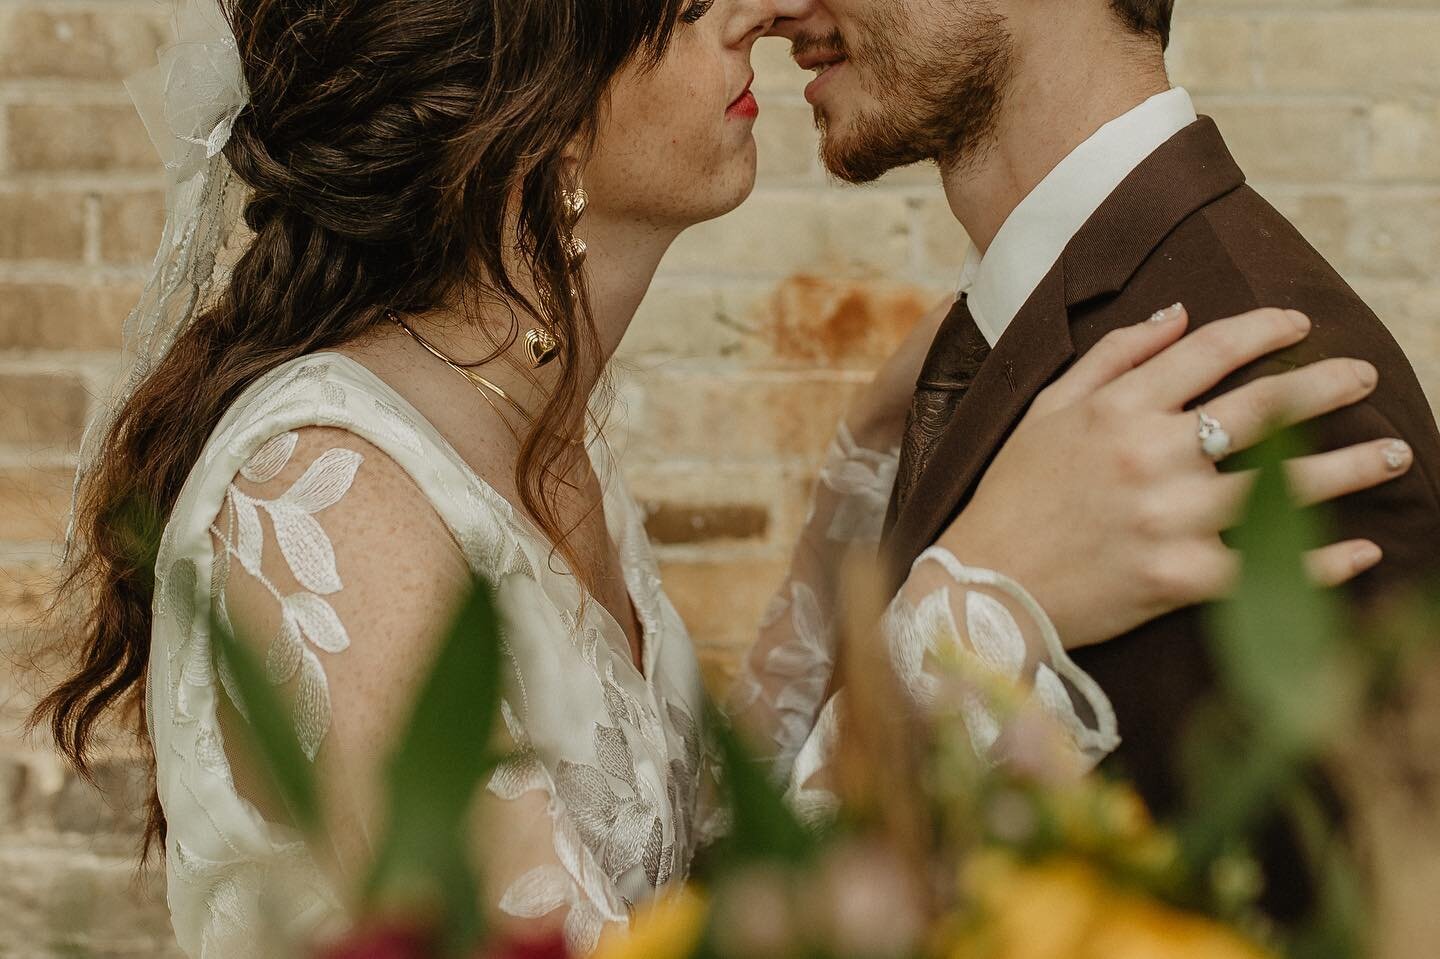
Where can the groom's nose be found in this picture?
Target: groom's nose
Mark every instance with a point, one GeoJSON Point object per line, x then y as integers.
{"type": "Point", "coordinates": [789, 14]}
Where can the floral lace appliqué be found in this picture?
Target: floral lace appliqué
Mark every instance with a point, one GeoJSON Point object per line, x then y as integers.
{"type": "Point", "coordinates": [306, 617]}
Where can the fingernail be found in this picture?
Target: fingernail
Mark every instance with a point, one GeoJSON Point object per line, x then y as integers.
{"type": "Point", "coordinates": [1366, 556]}
{"type": "Point", "coordinates": [1365, 373]}
{"type": "Point", "coordinates": [1171, 312]}
{"type": "Point", "coordinates": [1301, 321]}
{"type": "Point", "coordinates": [1397, 455]}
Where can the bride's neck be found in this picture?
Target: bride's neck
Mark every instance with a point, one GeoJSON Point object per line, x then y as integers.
{"type": "Point", "coordinates": [621, 260]}
{"type": "Point", "coordinates": [619, 267]}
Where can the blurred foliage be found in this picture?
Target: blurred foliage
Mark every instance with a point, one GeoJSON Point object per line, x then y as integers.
{"type": "Point", "coordinates": [421, 873]}
{"type": "Point", "coordinates": [935, 851]}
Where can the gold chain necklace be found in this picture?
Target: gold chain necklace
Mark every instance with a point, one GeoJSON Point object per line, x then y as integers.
{"type": "Point", "coordinates": [481, 384]}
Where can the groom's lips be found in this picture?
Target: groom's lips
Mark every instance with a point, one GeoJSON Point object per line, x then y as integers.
{"type": "Point", "coordinates": [826, 62]}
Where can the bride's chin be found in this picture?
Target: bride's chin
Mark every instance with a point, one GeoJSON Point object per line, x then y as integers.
{"type": "Point", "coordinates": [730, 187]}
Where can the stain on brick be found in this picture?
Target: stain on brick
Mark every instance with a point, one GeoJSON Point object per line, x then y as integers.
{"type": "Point", "coordinates": [674, 523]}
{"type": "Point", "coordinates": [841, 322]}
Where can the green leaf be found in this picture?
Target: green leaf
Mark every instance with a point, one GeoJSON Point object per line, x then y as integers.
{"type": "Point", "coordinates": [434, 771]}
{"type": "Point", "coordinates": [1335, 929]}
{"type": "Point", "coordinates": [1283, 684]}
{"type": "Point", "coordinates": [763, 827]}
{"type": "Point", "coordinates": [1278, 638]}
{"type": "Point", "coordinates": [268, 729]}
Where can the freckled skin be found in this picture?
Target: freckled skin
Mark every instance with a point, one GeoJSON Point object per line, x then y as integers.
{"type": "Point", "coordinates": [667, 152]}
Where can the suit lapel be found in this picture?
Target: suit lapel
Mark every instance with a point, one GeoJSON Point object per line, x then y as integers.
{"type": "Point", "coordinates": [1192, 169]}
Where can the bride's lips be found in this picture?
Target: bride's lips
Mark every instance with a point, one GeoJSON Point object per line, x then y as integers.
{"type": "Point", "coordinates": [745, 105]}
{"type": "Point", "coordinates": [826, 62]}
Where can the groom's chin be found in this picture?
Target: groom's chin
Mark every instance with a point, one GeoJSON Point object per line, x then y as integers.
{"type": "Point", "coordinates": [854, 161]}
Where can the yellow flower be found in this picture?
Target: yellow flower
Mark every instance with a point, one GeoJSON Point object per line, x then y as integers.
{"type": "Point", "coordinates": [1136, 928]}
{"type": "Point", "coordinates": [669, 928]}
{"type": "Point", "coordinates": [1028, 912]}
{"type": "Point", "coordinates": [1065, 909]}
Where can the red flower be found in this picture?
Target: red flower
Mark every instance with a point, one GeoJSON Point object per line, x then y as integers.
{"type": "Point", "coordinates": [383, 942]}
{"type": "Point", "coordinates": [547, 947]}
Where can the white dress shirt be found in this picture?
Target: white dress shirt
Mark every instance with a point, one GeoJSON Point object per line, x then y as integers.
{"type": "Point", "coordinates": [1038, 230]}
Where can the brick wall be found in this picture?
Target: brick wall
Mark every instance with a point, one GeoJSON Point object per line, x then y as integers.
{"type": "Point", "coordinates": [758, 328]}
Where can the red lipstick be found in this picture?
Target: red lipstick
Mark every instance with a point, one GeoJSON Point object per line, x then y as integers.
{"type": "Point", "coordinates": [745, 105]}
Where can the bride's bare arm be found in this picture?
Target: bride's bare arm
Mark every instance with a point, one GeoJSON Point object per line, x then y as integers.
{"type": "Point", "coordinates": [339, 570]}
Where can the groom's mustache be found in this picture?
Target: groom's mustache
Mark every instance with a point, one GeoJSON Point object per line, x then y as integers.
{"type": "Point", "coordinates": [831, 44]}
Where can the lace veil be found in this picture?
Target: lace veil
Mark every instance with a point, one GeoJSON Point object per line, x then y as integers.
{"type": "Point", "coordinates": [188, 101]}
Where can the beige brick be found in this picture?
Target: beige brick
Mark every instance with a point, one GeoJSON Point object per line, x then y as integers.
{"type": "Point", "coordinates": [39, 40]}
{"type": "Point", "coordinates": [775, 72]}
{"type": "Point", "coordinates": [42, 409]}
{"type": "Point", "coordinates": [42, 225]}
{"type": "Point", "coordinates": [47, 316]}
{"type": "Point", "coordinates": [721, 600]}
{"type": "Point", "coordinates": [1291, 141]}
{"type": "Point", "coordinates": [788, 141]}
{"type": "Point", "coordinates": [1408, 310]}
{"type": "Point", "coordinates": [694, 321]}
{"type": "Point", "coordinates": [130, 226]}
{"type": "Point", "coordinates": [1347, 53]}
{"type": "Point", "coordinates": [1396, 233]}
{"type": "Point", "coordinates": [774, 232]}
{"type": "Point", "coordinates": [868, 232]}
{"type": "Point", "coordinates": [60, 137]}
{"type": "Point", "coordinates": [739, 417]}
{"type": "Point", "coordinates": [1324, 220]}
{"type": "Point", "coordinates": [72, 898]}
{"type": "Point", "coordinates": [25, 589]}
{"type": "Point", "coordinates": [34, 504]}
{"type": "Point", "coordinates": [1405, 140]}
{"type": "Point", "coordinates": [1211, 54]}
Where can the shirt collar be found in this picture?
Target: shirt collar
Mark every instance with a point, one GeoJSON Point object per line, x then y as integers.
{"type": "Point", "coordinates": [1043, 224]}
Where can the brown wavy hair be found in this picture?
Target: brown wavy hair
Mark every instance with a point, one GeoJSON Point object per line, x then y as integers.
{"type": "Point", "coordinates": [398, 153]}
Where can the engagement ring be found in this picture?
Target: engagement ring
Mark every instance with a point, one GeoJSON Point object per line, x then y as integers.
{"type": "Point", "coordinates": [1214, 441]}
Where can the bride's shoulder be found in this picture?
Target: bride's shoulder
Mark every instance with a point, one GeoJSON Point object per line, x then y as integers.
{"type": "Point", "coordinates": [321, 429]}
{"type": "Point", "coordinates": [321, 389]}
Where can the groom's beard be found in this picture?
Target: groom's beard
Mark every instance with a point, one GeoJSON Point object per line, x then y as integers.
{"type": "Point", "coordinates": [938, 98]}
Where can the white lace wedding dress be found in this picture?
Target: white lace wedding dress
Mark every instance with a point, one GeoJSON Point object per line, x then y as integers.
{"type": "Point", "coordinates": [606, 798]}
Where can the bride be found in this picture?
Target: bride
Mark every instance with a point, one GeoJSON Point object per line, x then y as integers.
{"type": "Point", "coordinates": [456, 209]}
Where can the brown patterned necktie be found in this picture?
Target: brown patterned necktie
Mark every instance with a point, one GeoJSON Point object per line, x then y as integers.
{"type": "Point", "coordinates": [954, 361]}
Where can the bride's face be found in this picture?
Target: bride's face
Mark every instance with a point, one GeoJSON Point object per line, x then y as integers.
{"type": "Point", "coordinates": [675, 145]}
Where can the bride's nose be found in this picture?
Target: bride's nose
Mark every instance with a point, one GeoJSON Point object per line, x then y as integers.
{"type": "Point", "coordinates": [787, 13]}
{"type": "Point", "coordinates": [758, 17]}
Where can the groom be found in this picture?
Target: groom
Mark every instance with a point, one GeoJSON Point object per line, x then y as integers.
{"type": "Point", "coordinates": [1093, 196]}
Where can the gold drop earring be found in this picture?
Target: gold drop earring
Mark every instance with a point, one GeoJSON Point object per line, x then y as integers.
{"type": "Point", "coordinates": [541, 345]}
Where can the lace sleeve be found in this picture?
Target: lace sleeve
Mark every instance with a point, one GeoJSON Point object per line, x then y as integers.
{"type": "Point", "coordinates": [335, 565]}
{"type": "Point", "coordinates": [788, 670]}
{"type": "Point", "coordinates": [945, 611]}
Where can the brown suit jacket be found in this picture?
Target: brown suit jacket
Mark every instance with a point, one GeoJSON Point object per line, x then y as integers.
{"type": "Point", "coordinates": [1184, 226]}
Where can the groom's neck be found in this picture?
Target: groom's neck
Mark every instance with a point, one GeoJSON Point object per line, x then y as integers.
{"type": "Point", "coordinates": [1057, 99]}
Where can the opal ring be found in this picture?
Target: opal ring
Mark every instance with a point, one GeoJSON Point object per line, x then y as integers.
{"type": "Point", "coordinates": [1215, 442]}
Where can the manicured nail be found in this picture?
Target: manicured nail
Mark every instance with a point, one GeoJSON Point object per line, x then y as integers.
{"type": "Point", "coordinates": [1365, 556]}
{"type": "Point", "coordinates": [1366, 373]}
{"type": "Point", "coordinates": [1397, 456]}
{"type": "Point", "coordinates": [1166, 315]}
{"type": "Point", "coordinates": [1301, 321]}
